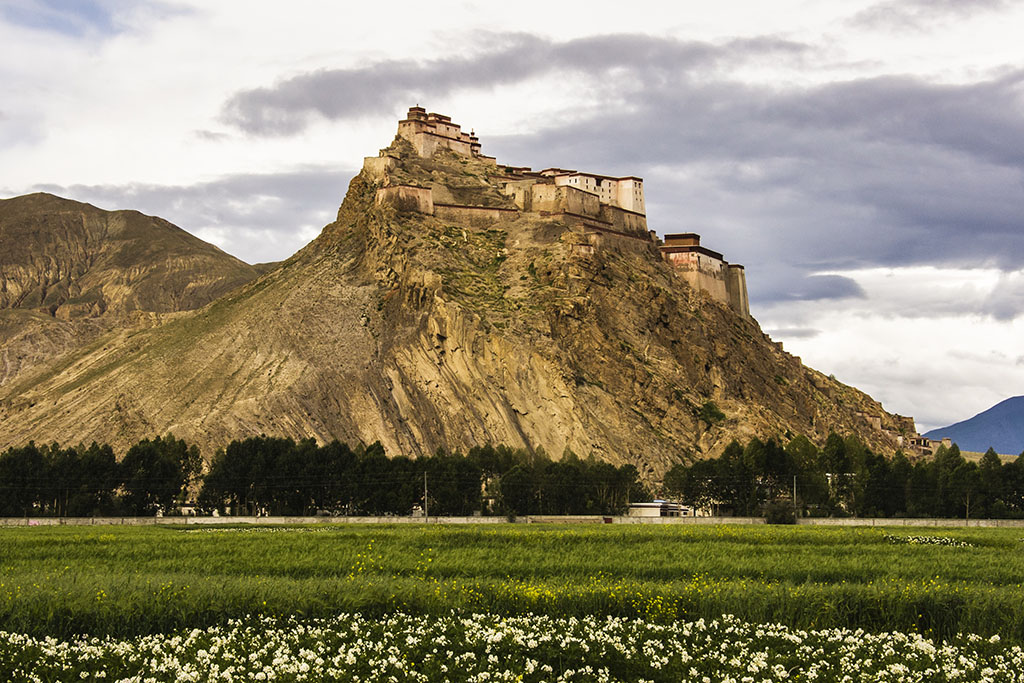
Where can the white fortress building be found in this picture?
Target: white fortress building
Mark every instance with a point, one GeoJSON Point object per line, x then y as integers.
{"type": "Point", "coordinates": [626, 192]}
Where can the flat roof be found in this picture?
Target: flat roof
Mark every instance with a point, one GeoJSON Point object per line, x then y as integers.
{"type": "Point", "coordinates": [692, 248]}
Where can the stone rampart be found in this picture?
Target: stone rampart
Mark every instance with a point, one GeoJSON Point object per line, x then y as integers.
{"type": "Point", "coordinates": [473, 215]}
{"type": "Point", "coordinates": [625, 220]}
{"type": "Point", "coordinates": [406, 198]}
{"type": "Point", "coordinates": [564, 199]}
{"type": "Point", "coordinates": [736, 288]}
{"type": "Point", "coordinates": [377, 167]}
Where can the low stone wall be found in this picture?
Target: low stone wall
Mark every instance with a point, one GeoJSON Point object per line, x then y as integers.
{"type": "Point", "coordinates": [226, 519]}
{"type": "Point", "coordinates": [524, 519]}
{"type": "Point", "coordinates": [909, 521]}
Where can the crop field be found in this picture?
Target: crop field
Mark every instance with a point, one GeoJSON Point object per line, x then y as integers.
{"type": "Point", "coordinates": [510, 602]}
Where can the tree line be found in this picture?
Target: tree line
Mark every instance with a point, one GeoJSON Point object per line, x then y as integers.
{"type": "Point", "coordinates": [845, 478]}
{"type": "Point", "coordinates": [89, 481]}
{"type": "Point", "coordinates": [279, 476]}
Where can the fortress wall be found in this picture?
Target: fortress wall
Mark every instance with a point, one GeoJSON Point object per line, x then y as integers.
{"type": "Point", "coordinates": [427, 138]}
{"type": "Point", "coordinates": [736, 288]}
{"type": "Point", "coordinates": [703, 272]}
{"type": "Point", "coordinates": [556, 199]}
{"type": "Point", "coordinates": [521, 192]}
{"type": "Point", "coordinates": [407, 198]}
{"type": "Point", "coordinates": [624, 221]}
{"type": "Point", "coordinates": [581, 202]}
{"type": "Point", "coordinates": [473, 215]}
{"type": "Point", "coordinates": [408, 129]}
{"type": "Point", "coordinates": [546, 198]}
{"type": "Point", "coordinates": [377, 167]}
{"type": "Point", "coordinates": [704, 282]}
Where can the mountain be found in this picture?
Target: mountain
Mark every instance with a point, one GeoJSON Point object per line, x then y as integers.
{"type": "Point", "coordinates": [1000, 427]}
{"type": "Point", "coordinates": [70, 272]}
{"type": "Point", "coordinates": [435, 312]}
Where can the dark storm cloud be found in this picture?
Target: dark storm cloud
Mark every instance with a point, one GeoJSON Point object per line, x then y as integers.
{"type": "Point", "coordinates": [256, 217]}
{"type": "Point", "coordinates": [384, 87]}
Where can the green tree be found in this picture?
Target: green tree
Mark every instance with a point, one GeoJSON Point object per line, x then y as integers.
{"type": "Point", "coordinates": [23, 480]}
{"type": "Point", "coordinates": [157, 473]}
{"type": "Point", "coordinates": [518, 490]}
{"type": "Point", "coordinates": [991, 486]}
{"type": "Point", "coordinates": [96, 479]}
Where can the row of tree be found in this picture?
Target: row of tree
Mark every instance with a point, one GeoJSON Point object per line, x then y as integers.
{"type": "Point", "coordinates": [267, 475]}
{"type": "Point", "coordinates": [88, 481]}
{"type": "Point", "coordinates": [279, 476]}
{"type": "Point", "coordinates": [846, 478]}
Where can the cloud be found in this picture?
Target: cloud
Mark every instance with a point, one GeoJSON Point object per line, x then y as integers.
{"type": "Point", "coordinates": [820, 287]}
{"type": "Point", "coordinates": [903, 15]}
{"type": "Point", "coordinates": [256, 217]}
{"type": "Point", "coordinates": [921, 337]}
{"type": "Point", "coordinates": [793, 181]}
{"type": "Point", "coordinates": [1006, 302]}
{"type": "Point", "coordinates": [918, 293]}
{"type": "Point", "coordinates": [383, 87]}
{"type": "Point", "coordinates": [793, 332]}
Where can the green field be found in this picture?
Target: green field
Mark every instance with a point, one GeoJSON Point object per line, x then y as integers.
{"type": "Point", "coordinates": [127, 581]}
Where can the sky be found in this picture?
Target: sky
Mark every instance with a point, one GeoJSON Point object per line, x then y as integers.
{"type": "Point", "coordinates": [864, 159]}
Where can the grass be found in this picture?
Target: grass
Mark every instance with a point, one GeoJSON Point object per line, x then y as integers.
{"type": "Point", "coordinates": [125, 581]}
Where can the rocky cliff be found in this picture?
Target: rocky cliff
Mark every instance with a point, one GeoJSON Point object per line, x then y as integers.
{"type": "Point", "coordinates": [70, 271]}
{"type": "Point", "coordinates": [449, 330]}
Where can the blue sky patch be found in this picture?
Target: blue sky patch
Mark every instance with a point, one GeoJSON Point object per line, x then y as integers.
{"type": "Point", "coordinates": [69, 17]}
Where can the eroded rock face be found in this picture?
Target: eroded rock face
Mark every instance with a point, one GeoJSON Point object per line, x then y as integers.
{"type": "Point", "coordinates": [70, 272]}
{"type": "Point", "coordinates": [424, 331]}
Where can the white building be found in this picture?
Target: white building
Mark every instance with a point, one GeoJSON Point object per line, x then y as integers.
{"type": "Point", "coordinates": [626, 192]}
{"type": "Point", "coordinates": [658, 508]}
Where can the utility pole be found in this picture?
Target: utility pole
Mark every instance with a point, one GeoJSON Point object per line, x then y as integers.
{"type": "Point", "coordinates": [794, 497]}
{"type": "Point", "coordinates": [426, 513]}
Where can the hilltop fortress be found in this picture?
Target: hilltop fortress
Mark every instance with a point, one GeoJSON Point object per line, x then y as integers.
{"type": "Point", "coordinates": [599, 205]}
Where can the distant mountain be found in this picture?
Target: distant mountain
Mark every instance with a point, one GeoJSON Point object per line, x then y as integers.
{"type": "Point", "coordinates": [1000, 427]}
{"type": "Point", "coordinates": [70, 272]}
